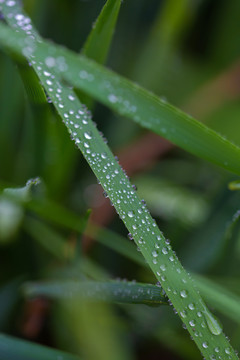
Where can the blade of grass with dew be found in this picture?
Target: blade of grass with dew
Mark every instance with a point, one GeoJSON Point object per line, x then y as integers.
{"type": "Point", "coordinates": [126, 98]}
{"type": "Point", "coordinates": [177, 283]}
{"type": "Point", "coordinates": [112, 291]}
{"type": "Point", "coordinates": [12, 348]}
{"type": "Point", "coordinates": [133, 293]}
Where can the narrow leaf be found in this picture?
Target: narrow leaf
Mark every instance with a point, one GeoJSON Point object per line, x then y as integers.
{"type": "Point", "coordinates": [113, 291]}
{"type": "Point", "coordinates": [99, 40]}
{"type": "Point", "coordinates": [13, 348]}
{"type": "Point", "coordinates": [128, 99]}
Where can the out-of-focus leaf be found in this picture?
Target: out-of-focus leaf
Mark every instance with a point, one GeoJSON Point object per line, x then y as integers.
{"type": "Point", "coordinates": [24, 193]}
{"type": "Point", "coordinates": [113, 291]}
{"type": "Point", "coordinates": [15, 349]}
{"type": "Point", "coordinates": [171, 201]}
{"type": "Point", "coordinates": [11, 216]}
{"type": "Point", "coordinates": [219, 297]}
{"type": "Point", "coordinates": [11, 212]}
{"type": "Point", "coordinates": [99, 40]}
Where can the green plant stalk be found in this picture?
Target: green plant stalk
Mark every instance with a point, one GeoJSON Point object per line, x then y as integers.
{"type": "Point", "coordinates": [127, 98]}
{"type": "Point", "coordinates": [112, 291]}
{"type": "Point", "coordinates": [176, 282]}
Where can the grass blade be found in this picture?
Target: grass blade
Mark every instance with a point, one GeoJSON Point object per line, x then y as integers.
{"type": "Point", "coordinates": [113, 291]}
{"type": "Point", "coordinates": [99, 40]}
{"type": "Point", "coordinates": [164, 263]}
{"type": "Point", "coordinates": [13, 348]}
{"type": "Point", "coordinates": [128, 99]}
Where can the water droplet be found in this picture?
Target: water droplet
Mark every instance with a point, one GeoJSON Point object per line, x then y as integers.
{"type": "Point", "coordinates": [50, 61]}
{"type": "Point", "coordinates": [131, 214]}
{"type": "Point", "coordinates": [154, 253]}
{"type": "Point", "coordinates": [112, 98]}
{"type": "Point", "coordinates": [10, 3]}
{"type": "Point", "coordinates": [205, 344]}
{"type": "Point", "coordinates": [46, 73]}
{"type": "Point", "coordinates": [183, 294]}
{"type": "Point", "coordinates": [88, 135]}
{"type": "Point", "coordinates": [183, 314]}
{"type": "Point", "coordinates": [165, 251]}
{"type": "Point", "coordinates": [104, 155]}
{"type": "Point", "coordinates": [130, 236]}
{"type": "Point", "coordinates": [192, 323]}
{"type": "Point", "coordinates": [212, 323]}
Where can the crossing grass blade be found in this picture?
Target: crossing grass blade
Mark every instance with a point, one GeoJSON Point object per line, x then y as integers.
{"type": "Point", "coordinates": [51, 62]}
{"type": "Point", "coordinates": [128, 99]}
{"type": "Point", "coordinates": [111, 291]}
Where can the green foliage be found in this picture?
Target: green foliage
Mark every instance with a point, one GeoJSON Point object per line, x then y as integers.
{"type": "Point", "coordinates": [54, 70]}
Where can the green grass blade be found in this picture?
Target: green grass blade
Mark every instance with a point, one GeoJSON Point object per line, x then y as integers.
{"type": "Point", "coordinates": [151, 112]}
{"type": "Point", "coordinates": [130, 100]}
{"type": "Point", "coordinates": [164, 263]}
{"type": "Point", "coordinates": [12, 348]}
{"type": "Point", "coordinates": [113, 291]}
{"type": "Point", "coordinates": [99, 40]}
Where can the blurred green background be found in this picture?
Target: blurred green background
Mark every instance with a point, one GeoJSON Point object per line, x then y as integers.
{"type": "Point", "coordinates": [186, 52]}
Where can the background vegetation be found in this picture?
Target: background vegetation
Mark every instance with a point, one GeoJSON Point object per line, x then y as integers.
{"type": "Point", "coordinates": [186, 52]}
